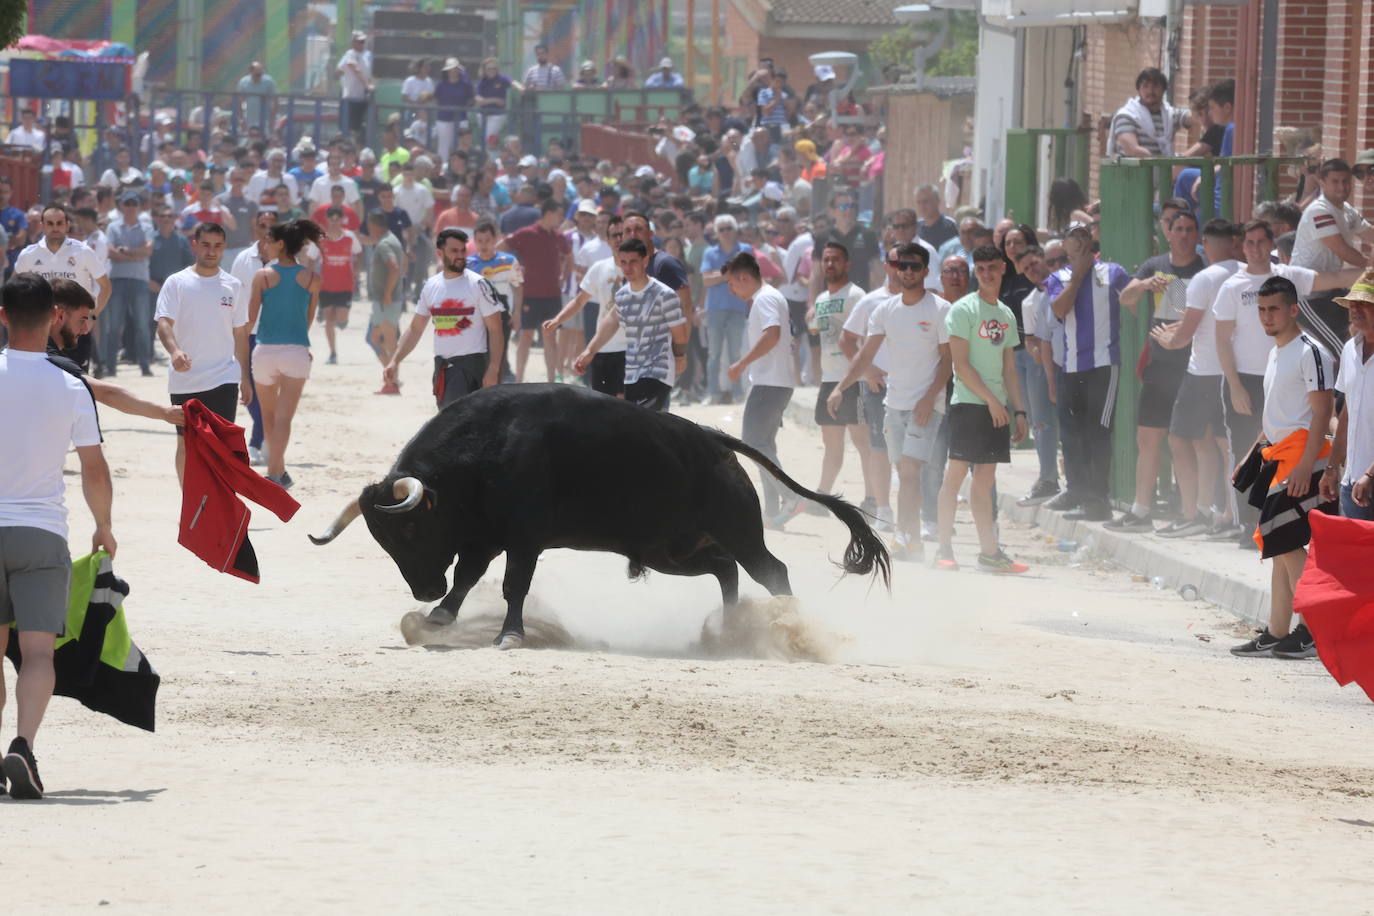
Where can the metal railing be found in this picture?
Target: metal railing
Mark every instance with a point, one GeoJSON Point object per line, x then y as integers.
{"type": "Point", "coordinates": [1130, 188]}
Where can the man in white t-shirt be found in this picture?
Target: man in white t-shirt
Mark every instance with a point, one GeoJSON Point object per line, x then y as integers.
{"type": "Point", "coordinates": [588, 248]}
{"type": "Point", "coordinates": [1197, 425]}
{"type": "Point", "coordinates": [56, 254]}
{"type": "Point", "coordinates": [1243, 346]}
{"type": "Point", "coordinates": [355, 84]}
{"type": "Point", "coordinates": [202, 321]}
{"type": "Point", "coordinates": [1328, 239]}
{"type": "Point", "coordinates": [28, 133]}
{"type": "Point", "coordinates": [1298, 401]}
{"type": "Point", "coordinates": [768, 360]}
{"type": "Point", "coordinates": [607, 369]}
{"type": "Point", "coordinates": [835, 300]}
{"type": "Point", "coordinates": [44, 410]}
{"type": "Point", "coordinates": [912, 325]}
{"type": "Point", "coordinates": [1349, 475]}
{"type": "Point", "coordinates": [872, 392]}
{"type": "Point", "coordinates": [468, 342]}
{"type": "Point", "coordinates": [320, 194]}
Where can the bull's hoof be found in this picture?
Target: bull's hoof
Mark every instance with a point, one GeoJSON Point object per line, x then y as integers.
{"type": "Point", "coordinates": [441, 617]}
{"type": "Point", "coordinates": [509, 641]}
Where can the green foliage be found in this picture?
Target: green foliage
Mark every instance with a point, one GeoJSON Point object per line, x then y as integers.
{"type": "Point", "coordinates": [893, 49]}
{"type": "Point", "coordinates": [13, 21]}
{"type": "Point", "coordinates": [957, 58]}
{"type": "Point", "coordinates": [960, 54]}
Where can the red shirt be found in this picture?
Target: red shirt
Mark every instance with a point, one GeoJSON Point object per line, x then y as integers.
{"type": "Point", "coordinates": [350, 217]}
{"type": "Point", "coordinates": [458, 219]}
{"type": "Point", "coordinates": [336, 263]}
{"type": "Point", "coordinates": [541, 252]}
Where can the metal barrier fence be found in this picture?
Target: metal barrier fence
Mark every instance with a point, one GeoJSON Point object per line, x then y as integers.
{"type": "Point", "coordinates": [534, 117]}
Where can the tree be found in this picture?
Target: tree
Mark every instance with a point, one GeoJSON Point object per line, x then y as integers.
{"type": "Point", "coordinates": [958, 57]}
{"type": "Point", "coordinates": [13, 21]}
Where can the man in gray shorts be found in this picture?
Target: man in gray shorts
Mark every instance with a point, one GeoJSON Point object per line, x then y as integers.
{"type": "Point", "coordinates": [912, 325]}
{"type": "Point", "coordinates": [45, 411]}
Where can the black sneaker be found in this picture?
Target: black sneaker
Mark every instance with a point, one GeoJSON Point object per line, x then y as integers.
{"type": "Point", "coordinates": [1262, 646]}
{"type": "Point", "coordinates": [1064, 502]}
{"type": "Point", "coordinates": [1043, 490]}
{"type": "Point", "coordinates": [1297, 644]}
{"type": "Point", "coordinates": [1129, 521]}
{"type": "Point", "coordinates": [1091, 510]}
{"type": "Point", "coordinates": [22, 771]}
{"type": "Point", "coordinates": [1184, 528]}
{"type": "Point", "coordinates": [1223, 531]}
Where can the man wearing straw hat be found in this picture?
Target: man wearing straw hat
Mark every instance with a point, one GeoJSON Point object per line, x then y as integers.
{"type": "Point", "coordinates": [1349, 475]}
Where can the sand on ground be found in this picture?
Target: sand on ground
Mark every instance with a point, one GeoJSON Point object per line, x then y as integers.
{"type": "Point", "coordinates": [1069, 742]}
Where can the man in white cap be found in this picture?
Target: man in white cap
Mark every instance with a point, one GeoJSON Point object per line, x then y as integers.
{"type": "Point", "coordinates": [820, 90]}
{"type": "Point", "coordinates": [588, 247]}
{"type": "Point", "coordinates": [454, 94]}
{"type": "Point", "coordinates": [664, 77]}
{"type": "Point", "coordinates": [355, 84]}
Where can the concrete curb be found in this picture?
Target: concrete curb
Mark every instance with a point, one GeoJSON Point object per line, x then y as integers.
{"type": "Point", "coordinates": [1201, 564]}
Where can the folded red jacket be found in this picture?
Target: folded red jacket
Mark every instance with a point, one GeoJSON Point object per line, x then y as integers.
{"type": "Point", "coordinates": [214, 521]}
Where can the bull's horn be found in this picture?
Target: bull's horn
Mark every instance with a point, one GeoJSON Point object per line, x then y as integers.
{"type": "Point", "coordinates": [350, 512]}
{"type": "Point", "coordinates": [409, 491]}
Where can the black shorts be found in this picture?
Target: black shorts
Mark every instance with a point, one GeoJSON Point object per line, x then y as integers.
{"type": "Point", "coordinates": [457, 376]}
{"type": "Point", "coordinates": [223, 401]}
{"type": "Point", "coordinates": [336, 300]}
{"type": "Point", "coordinates": [650, 393]}
{"type": "Point", "coordinates": [536, 310]}
{"type": "Point", "coordinates": [796, 318]}
{"type": "Point", "coordinates": [848, 412]}
{"type": "Point", "coordinates": [871, 407]}
{"type": "Point", "coordinates": [607, 373]}
{"type": "Point", "coordinates": [1159, 388]}
{"type": "Point", "coordinates": [974, 439]}
{"type": "Point", "coordinates": [1198, 407]}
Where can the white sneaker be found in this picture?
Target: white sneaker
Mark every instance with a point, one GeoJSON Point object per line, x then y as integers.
{"type": "Point", "coordinates": [928, 532]}
{"type": "Point", "coordinates": [884, 519]}
{"type": "Point", "coordinates": [256, 457]}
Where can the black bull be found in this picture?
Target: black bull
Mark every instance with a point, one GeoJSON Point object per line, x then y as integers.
{"type": "Point", "coordinates": [520, 469]}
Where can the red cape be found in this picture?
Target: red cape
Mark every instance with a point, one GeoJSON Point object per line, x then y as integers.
{"type": "Point", "coordinates": [1335, 596]}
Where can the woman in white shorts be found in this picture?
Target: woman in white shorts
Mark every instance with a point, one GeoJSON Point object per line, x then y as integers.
{"type": "Point", "coordinates": [282, 305]}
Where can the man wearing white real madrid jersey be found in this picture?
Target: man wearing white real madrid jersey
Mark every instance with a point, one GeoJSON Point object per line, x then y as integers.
{"type": "Point", "coordinates": [57, 254]}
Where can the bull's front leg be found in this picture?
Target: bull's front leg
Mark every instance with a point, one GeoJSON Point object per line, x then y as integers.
{"type": "Point", "coordinates": [467, 572]}
{"type": "Point", "coordinates": [519, 572]}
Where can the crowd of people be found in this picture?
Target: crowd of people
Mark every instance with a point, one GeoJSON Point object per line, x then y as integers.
{"type": "Point", "coordinates": [936, 342]}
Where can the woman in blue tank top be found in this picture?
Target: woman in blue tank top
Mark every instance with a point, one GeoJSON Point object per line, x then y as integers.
{"type": "Point", "coordinates": [282, 305]}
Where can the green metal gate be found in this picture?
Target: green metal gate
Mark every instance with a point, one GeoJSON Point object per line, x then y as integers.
{"type": "Point", "coordinates": [1069, 149]}
{"type": "Point", "coordinates": [1129, 189]}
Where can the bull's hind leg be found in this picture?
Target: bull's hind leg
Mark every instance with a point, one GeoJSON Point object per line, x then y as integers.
{"type": "Point", "coordinates": [519, 573]}
{"type": "Point", "coordinates": [467, 572]}
{"type": "Point", "coordinates": [745, 542]}
{"type": "Point", "coordinates": [708, 560]}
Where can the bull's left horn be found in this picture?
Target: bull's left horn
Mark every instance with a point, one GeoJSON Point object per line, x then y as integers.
{"type": "Point", "coordinates": [409, 490]}
{"type": "Point", "coordinates": [350, 512]}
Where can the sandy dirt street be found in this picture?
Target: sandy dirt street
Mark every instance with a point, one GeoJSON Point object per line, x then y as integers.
{"type": "Point", "coordinates": [1068, 742]}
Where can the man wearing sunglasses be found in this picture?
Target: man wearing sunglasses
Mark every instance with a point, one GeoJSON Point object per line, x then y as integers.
{"type": "Point", "coordinates": [911, 326]}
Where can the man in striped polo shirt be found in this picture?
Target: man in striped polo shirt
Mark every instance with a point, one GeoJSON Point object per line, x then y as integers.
{"type": "Point", "coordinates": [1086, 296]}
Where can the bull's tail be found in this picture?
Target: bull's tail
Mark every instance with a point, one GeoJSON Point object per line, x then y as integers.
{"type": "Point", "coordinates": [865, 554]}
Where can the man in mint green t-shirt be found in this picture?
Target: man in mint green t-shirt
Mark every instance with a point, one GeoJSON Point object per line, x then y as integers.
{"type": "Point", "coordinates": [986, 413]}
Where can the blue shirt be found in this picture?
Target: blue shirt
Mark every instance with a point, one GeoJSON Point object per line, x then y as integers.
{"type": "Point", "coordinates": [499, 271]}
{"type": "Point", "coordinates": [452, 97]}
{"type": "Point", "coordinates": [1092, 330]}
{"type": "Point", "coordinates": [171, 253]}
{"type": "Point", "coordinates": [657, 80]}
{"type": "Point", "coordinates": [136, 236]}
{"type": "Point", "coordinates": [518, 217]}
{"type": "Point", "coordinates": [718, 297]}
{"type": "Point", "coordinates": [14, 221]}
{"type": "Point", "coordinates": [285, 314]}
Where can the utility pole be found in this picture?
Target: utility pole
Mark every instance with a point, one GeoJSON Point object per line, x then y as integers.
{"type": "Point", "coordinates": [690, 64]}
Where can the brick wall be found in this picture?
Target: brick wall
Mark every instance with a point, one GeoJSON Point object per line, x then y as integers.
{"type": "Point", "coordinates": [1301, 71]}
{"type": "Point", "coordinates": [1115, 56]}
